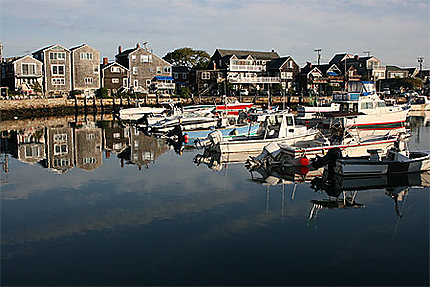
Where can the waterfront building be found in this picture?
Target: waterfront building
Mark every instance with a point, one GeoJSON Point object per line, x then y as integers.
{"type": "Point", "coordinates": [31, 145]}
{"type": "Point", "coordinates": [85, 62]}
{"type": "Point", "coordinates": [144, 66]}
{"type": "Point", "coordinates": [57, 72]}
{"type": "Point", "coordinates": [114, 76]}
{"type": "Point", "coordinates": [284, 68]}
{"type": "Point", "coordinates": [369, 67]}
{"type": "Point", "coordinates": [243, 70]}
{"type": "Point", "coordinates": [22, 74]}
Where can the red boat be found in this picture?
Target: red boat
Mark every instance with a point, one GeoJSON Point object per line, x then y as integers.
{"type": "Point", "coordinates": [232, 106]}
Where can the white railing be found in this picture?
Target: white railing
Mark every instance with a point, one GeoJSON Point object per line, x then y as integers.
{"type": "Point", "coordinates": [254, 80]}
{"type": "Point", "coordinates": [165, 85]}
{"type": "Point", "coordinates": [379, 67]}
{"type": "Point", "coordinates": [256, 68]}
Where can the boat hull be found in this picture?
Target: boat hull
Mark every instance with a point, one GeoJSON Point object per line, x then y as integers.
{"type": "Point", "coordinates": [257, 145]}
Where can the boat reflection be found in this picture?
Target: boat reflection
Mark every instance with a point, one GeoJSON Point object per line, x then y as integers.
{"type": "Point", "coordinates": [215, 160]}
{"type": "Point", "coordinates": [342, 191]}
{"type": "Point", "coordinates": [60, 145]}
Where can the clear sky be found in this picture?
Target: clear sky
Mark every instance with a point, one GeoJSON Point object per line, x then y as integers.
{"type": "Point", "coordinates": [395, 31]}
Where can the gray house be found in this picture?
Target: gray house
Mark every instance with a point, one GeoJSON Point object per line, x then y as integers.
{"type": "Point", "coordinates": [143, 66]}
{"type": "Point", "coordinates": [85, 62]}
{"type": "Point", "coordinates": [23, 74]}
{"type": "Point", "coordinates": [57, 72]}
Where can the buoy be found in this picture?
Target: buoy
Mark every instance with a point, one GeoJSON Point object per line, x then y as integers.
{"type": "Point", "coordinates": [186, 138]}
{"type": "Point", "coordinates": [304, 161]}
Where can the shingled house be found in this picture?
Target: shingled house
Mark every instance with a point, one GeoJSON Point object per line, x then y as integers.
{"type": "Point", "coordinates": [114, 76]}
{"type": "Point", "coordinates": [23, 74]}
{"type": "Point", "coordinates": [285, 68]}
{"type": "Point", "coordinates": [57, 72]}
{"type": "Point", "coordinates": [240, 69]}
{"type": "Point", "coordinates": [143, 66]}
{"type": "Point", "coordinates": [85, 69]}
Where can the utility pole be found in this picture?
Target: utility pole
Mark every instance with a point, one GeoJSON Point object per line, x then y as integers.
{"type": "Point", "coordinates": [1, 52]}
{"type": "Point", "coordinates": [420, 61]}
{"type": "Point", "coordinates": [319, 55]}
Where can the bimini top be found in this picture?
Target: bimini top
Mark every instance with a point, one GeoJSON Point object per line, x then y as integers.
{"type": "Point", "coordinates": [163, 78]}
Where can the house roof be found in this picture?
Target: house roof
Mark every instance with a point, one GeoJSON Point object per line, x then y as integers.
{"type": "Point", "coordinates": [394, 68]}
{"type": "Point", "coordinates": [277, 63]}
{"type": "Point", "coordinates": [181, 69]}
{"type": "Point", "coordinates": [242, 54]}
{"type": "Point", "coordinates": [128, 51]}
{"type": "Point", "coordinates": [111, 64]}
{"type": "Point", "coordinates": [49, 47]}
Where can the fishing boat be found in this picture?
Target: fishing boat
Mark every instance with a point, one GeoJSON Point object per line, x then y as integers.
{"type": "Point", "coordinates": [273, 128]}
{"type": "Point", "coordinates": [308, 153]}
{"type": "Point", "coordinates": [395, 161]}
{"type": "Point", "coordinates": [310, 112]}
{"type": "Point", "coordinates": [362, 111]}
{"type": "Point", "coordinates": [231, 106]}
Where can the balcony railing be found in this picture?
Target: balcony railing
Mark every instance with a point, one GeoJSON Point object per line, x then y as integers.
{"type": "Point", "coordinates": [255, 80]}
{"type": "Point", "coordinates": [242, 68]}
{"type": "Point", "coordinates": [379, 67]}
{"type": "Point", "coordinates": [165, 86]}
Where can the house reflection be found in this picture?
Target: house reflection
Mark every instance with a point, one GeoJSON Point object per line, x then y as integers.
{"type": "Point", "coordinates": [64, 145]}
{"type": "Point", "coordinates": [143, 149]}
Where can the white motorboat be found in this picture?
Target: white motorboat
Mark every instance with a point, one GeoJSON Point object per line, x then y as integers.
{"type": "Point", "coordinates": [273, 128]}
{"type": "Point", "coordinates": [303, 152]}
{"type": "Point", "coordinates": [188, 121]}
{"type": "Point", "coordinates": [309, 112]}
{"type": "Point", "coordinates": [375, 164]}
{"type": "Point", "coordinates": [133, 114]}
{"type": "Point", "coordinates": [419, 103]}
{"type": "Point", "coordinates": [362, 111]}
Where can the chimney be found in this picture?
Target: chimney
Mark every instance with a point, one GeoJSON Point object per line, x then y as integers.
{"type": "Point", "coordinates": [137, 45]}
{"type": "Point", "coordinates": [105, 61]}
{"type": "Point", "coordinates": [309, 64]}
{"type": "Point", "coordinates": [356, 57]}
{"type": "Point", "coordinates": [214, 65]}
{"type": "Point", "coordinates": [273, 51]}
{"type": "Point", "coordinates": [119, 49]}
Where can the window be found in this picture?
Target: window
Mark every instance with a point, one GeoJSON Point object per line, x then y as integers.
{"type": "Point", "coordinates": [206, 76]}
{"type": "Point", "coordinates": [116, 135]}
{"type": "Point", "coordinates": [88, 80]}
{"type": "Point", "coordinates": [133, 57]}
{"type": "Point", "coordinates": [96, 69]}
{"type": "Point", "coordinates": [148, 83]}
{"type": "Point", "coordinates": [134, 70]}
{"type": "Point", "coordinates": [115, 81]}
{"type": "Point", "coordinates": [115, 69]}
{"type": "Point", "coordinates": [166, 70]}
{"type": "Point", "coordinates": [57, 70]}
{"type": "Point", "coordinates": [144, 58]}
{"type": "Point", "coordinates": [89, 160]}
{"type": "Point", "coordinates": [125, 82]}
{"type": "Point", "coordinates": [150, 58]}
{"type": "Point", "coordinates": [58, 81]}
{"type": "Point", "coordinates": [60, 137]}
{"type": "Point", "coordinates": [290, 64]}
{"type": "Point", "coordinates": [366, 105]}
{"type": "Point", "coordinates": [90, 136]}
{"type": "Point", "coordinates": [31, 151]}
{"type": "Point", "coordinates": [57, 55]}
{"type": "Point", "coordinates": [61, 162]}
{"type": "Point", "coordinates": [60, 149]}
{"type": "Point", "coordinates": [176, 75]}
{"type": "Point", "coordinates": [158, 70]}
{"type": "Point", "coordinates": [28, 69]}
{"type": "Point", "coordinates": [86, 56]}
{"type": "Point", "coordinates": [135, 83]}
{"type": "Point", "coordinates": [184, 76]}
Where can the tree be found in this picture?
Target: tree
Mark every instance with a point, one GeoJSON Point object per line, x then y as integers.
{"type": "Point", "coordinates": [188, 57]}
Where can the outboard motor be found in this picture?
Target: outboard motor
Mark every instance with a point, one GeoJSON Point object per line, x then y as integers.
{"type": "Point", "coordinates": [329, 159]}
{"type": "Point", "coordinates": [213, 139]}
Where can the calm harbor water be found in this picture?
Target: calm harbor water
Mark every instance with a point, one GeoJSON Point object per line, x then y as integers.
{"type": "Point", "coordinates": [95, 203]}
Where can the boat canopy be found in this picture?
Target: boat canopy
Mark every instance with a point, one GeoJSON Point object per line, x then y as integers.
{"type": "Point", "coordinates": [163, 78]}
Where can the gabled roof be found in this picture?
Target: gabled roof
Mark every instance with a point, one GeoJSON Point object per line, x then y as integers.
{"type": "Point", "coordinates": [394, 68]}
{"type": "Point", "coordinates": [126, 52]}
{"type": "Point", "coordinates": [111, 64]}
{"type": "Point", "coordinates": [276, 64]}
{"type": "Point", "coordinates": [50, 47]}
{"type": "Point", "coordinates": [340, 57]}
{"type": "Point", "coordinates": [243, 54]}
{"type": "Point", "coordinates": [309, 68]}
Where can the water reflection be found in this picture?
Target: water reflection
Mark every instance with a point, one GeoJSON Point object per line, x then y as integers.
{"type": "Point", "coordinates": [61, 147]}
